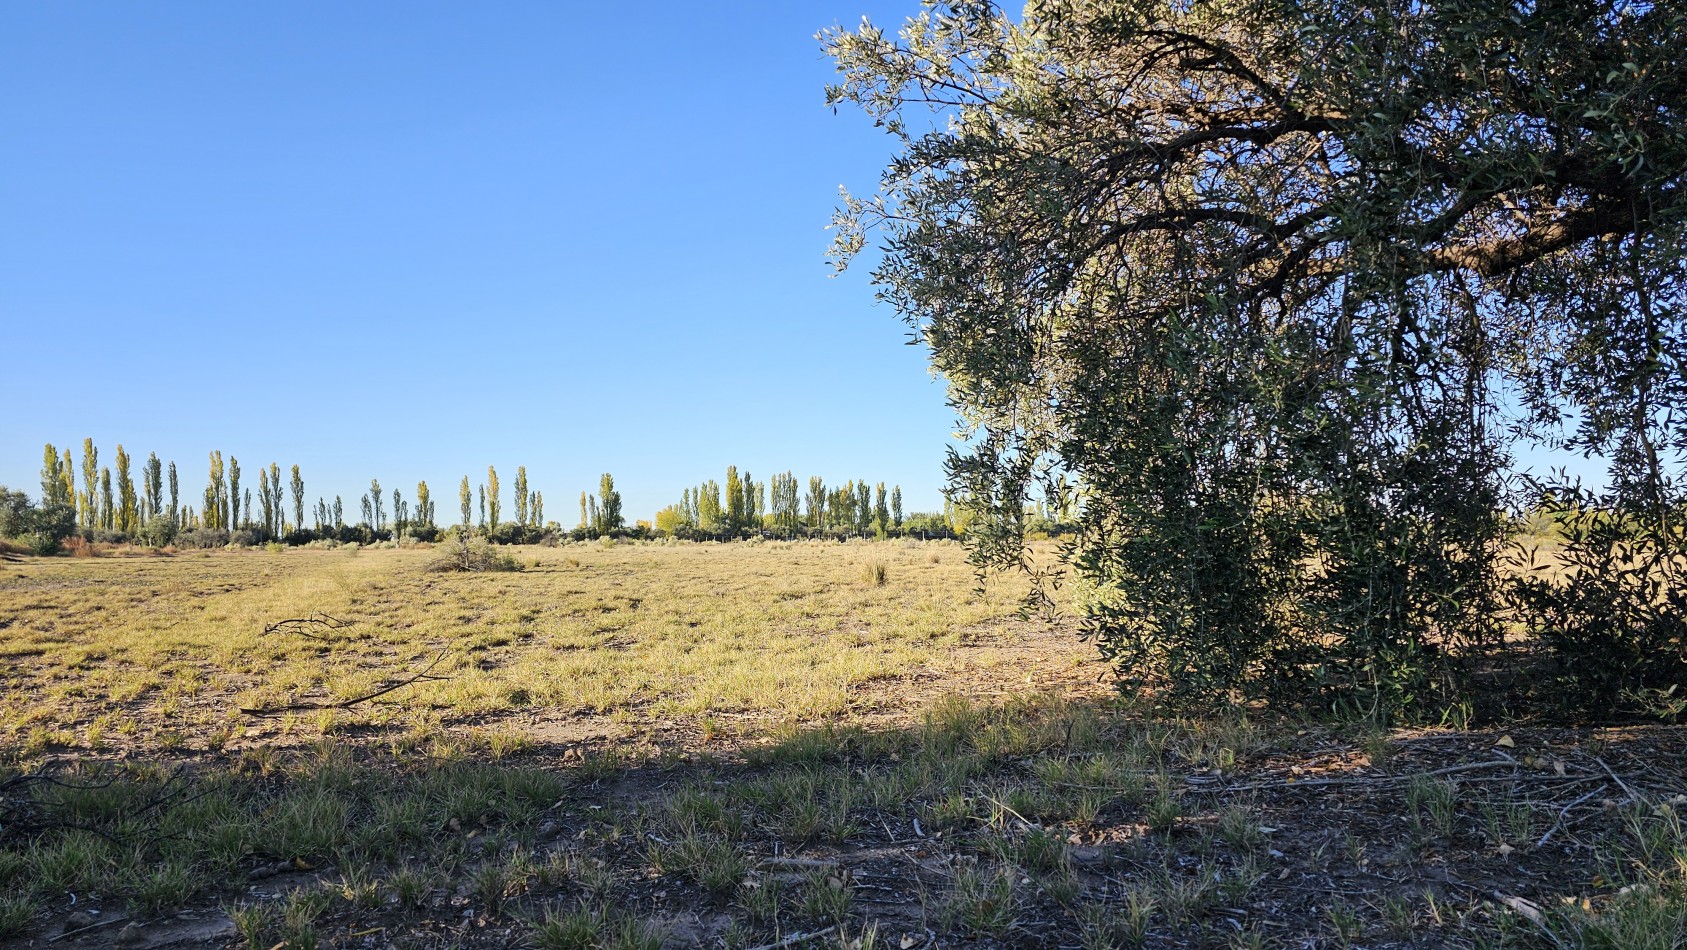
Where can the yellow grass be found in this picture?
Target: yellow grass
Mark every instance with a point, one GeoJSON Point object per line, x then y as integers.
{"type": "Point", "coordinates": [587, 641]}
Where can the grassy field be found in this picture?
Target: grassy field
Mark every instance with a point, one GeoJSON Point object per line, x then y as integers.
{"type": "Point", "coordinates": [741, 746]}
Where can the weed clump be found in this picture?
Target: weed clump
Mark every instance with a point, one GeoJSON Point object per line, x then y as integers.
{"type": "Point", "coordinates": [472, 554]}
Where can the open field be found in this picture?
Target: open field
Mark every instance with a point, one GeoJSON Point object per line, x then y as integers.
{"type": "Point", "coordinates": [742, 746]}
{"type": "Point", "coordinates": [586, 643]}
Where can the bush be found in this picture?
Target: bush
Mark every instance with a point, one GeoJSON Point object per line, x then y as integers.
{"type": "Point", "coordinates": [245, 538]}
{"type": "Point", "coordinates": [471, 554]}
{"type": "Point", "coordinates": [1614, 622]}
{"type": "Point", "coordinates": [158, 531]}
{"type": "Point", "coordinates": [46, 528]}
{"type": "Point", "coordinates": [201, 538]}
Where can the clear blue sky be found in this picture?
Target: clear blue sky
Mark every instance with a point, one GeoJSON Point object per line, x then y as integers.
{"type": "Point", "coordinates": [406, 241]}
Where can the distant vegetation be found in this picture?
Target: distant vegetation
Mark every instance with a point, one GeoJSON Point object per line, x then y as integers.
{"type": "Point", "coordinates": [104, 506]}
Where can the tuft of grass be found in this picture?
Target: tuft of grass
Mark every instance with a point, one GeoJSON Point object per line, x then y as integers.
{"type": "Point", "coordinates": [17, 915]}
{"type": "Point", "coordinates": [875, 573]}
{"type": "Point", "coordinates": [985, 903]}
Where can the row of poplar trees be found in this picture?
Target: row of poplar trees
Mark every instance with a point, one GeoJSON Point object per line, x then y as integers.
{"type": "Point", "coordinates": [780, 504]}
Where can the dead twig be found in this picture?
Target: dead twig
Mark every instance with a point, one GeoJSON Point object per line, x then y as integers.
{"type": "Point", "coordinates": [82, 930]}
{"type": "Point", "coordinates": [348, 703]}
{"type": "Point", "coordinates": [795, 939]}
{"type": "Point", "coordinates": [299, 625]}
{"type": "Point", "coordinates": [1564, 813]}
{"type": "Point", "coordinates": [1375, 779]}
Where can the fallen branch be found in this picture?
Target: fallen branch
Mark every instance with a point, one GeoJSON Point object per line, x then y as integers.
{"type": "Point", "coordinates": [1389, 779]}
{"type": "Point", "coordinates": [82, 930]}
{"type": "Point", "coordinates": [1562, 814]}
{"type": "Point", "coordinates": [795, 939]}
{"type": "Point", "coordinates": [298, 625]}
{"type": "Point", "coordinates": [348, 703]}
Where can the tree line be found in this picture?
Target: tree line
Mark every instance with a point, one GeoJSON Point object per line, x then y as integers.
{"type": "Point", "coordinates": [103, 503]}
{"type": "Point", "coordinates": [782, 507]}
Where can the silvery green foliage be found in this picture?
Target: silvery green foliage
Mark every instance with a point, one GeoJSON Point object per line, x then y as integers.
{"type": "Point", "coordinates": [1269, 280]}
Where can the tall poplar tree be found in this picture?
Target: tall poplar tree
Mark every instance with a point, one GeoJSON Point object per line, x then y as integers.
{"type": "Point", "coordinates": [152, 479]}
{"type": "Point", "coordinates": [816, 502]}
{"type": "Point", "coordinates": [521, 498]}
{"type": "Point", "coordinates": [231, 519]}
{"type": "Point", "coordinates": [128, 518]}
{"type": "Point", "coordinates": [266, 500]}
{"type": "Point", "coordinates": [609, 507]}
{"type": "Point", "coordinates": [53, 490]}
{"type": "Point", "coordinates": [492, 503]}
{"type": "Point", "coordinates": [67, 472]}
{"type": "Point", "coordinates": [424, 505]}
{"type": "Point", "coordinates": [380, 506]}
{"type": "Point", "coordinates": [88, 503]}
{"type": "Point", "coordinates": [107, 513]}
{"type": "Point", "coordinates": [896, 506]}
{"type": "Point", "coordinates": [881, 511]}
{"type": "Point", "coordinates": [175, 512]}
{"type": "Point", "coordinates": [466, 498]}
{"type": "Point", "coordinates": [211, 513]}
{"type": "Point", "coordinates": [298, 486]}
{"type": "Point", "coordinates": [734, 500]}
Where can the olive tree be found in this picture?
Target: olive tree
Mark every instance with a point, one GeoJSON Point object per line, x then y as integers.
{"type": "Point", "coordinates": [1270, 279]}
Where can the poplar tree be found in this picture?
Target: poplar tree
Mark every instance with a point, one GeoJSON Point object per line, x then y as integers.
{"type": "Point", "coordinates": [492, 503]}
{"type": "Point", "coordinates": [246, 507]}
{"type": "Point", "coordinates": [521, 498]}
{"type": "Point", "coordinates": [881, 511]}
{"type": "Point", "coordinates": [276, 519]}
{"type": "Point", "coordinates": [379, 505]}
{"type": "Point", "coordinates": [482, 490]}
{"type": "Point", "coordinates": [816, 502]}
{"type": "Point", "coordinates": [863, 507]}
{"type": "Point", "coordinates": [53, 490]}
{"type": "Point", "coordinates": [368, 512]}
{"type": "Point", "coordinates": [896, 506]}
{"type": "Point", "coordinates": [424, 505]}
{"type": "Point", "coordinates": [298, 486]}
{"type": "Point", "coordinates": [609, 508]}
{"type": "Point", "coordinates": [107, 512]}
{"type": "Point", "coordinates": [397, 515]}
{"type": "Point", "coordinates": [175, 500]}
{"type": "Point", "coordinates": [231, 520]}
{"type": "Point", "coordinates": [266, 499]}
{"type": "Point", "coordinates": [339, 514]}
{"type": "Point", "coordinates": [585, 524]}
{"type": "Point", "coordinates": [152, 478]}
{"type": "Point", "coordinates": [128, 518]}
{"type": "Point", "coordinates": [536, 509]}
{"type": "Point", "coordinates": [465, 498]}
{"type": "Point", "coordinates": [88, 503]}
{"type": "Point", "coordinates": [67, 476]}
{"type": "Point", "coordinates": [215, 492]}
{"type": "Point", "coordinates": [734, 500]}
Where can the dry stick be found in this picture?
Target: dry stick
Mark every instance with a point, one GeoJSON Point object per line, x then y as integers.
{"type": "Point", "coordinates": [93, 926]}
{"type": "Point", "coordinates": [795, 939]}
{"type": "Point", "coordinates": [347, 704]}
{"type": "Point", "coordinates": [297, 623]}
{"type": "Point", "coordinates": [1563, 813]}
{"type": "Point", "coordinates": [1372, 780]}
{"type": "Point", "coordinates": [1631, 793]}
